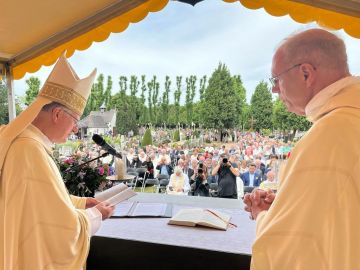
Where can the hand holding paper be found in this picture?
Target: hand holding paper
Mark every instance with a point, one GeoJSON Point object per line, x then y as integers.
{"type": "Point", "coordinates": [105, 209]}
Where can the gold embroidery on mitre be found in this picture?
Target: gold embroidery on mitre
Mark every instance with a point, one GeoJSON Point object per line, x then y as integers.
{"type": "Point", "coordinates": [65, 96]}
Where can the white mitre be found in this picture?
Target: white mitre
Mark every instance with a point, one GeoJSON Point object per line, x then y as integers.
{"type": "Point", "coordinates": [62, 86]}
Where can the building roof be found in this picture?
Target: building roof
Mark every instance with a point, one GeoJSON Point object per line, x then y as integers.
{"type": "Point", "coordinates": [107, 116]}
{"type": "Point", "coordinates": [97, 120]}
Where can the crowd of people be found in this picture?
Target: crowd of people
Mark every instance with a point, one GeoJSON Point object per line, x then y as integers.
{"type": "Point", "coordinates": [250, 160]}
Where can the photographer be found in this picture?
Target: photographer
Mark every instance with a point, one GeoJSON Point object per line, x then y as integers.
{"type": "Point", "coordinates": [200, 187]}
{"type": "Point", "coordinates": [227, 173]}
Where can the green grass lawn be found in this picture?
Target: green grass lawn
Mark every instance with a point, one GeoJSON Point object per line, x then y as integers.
{"type": "Point", "coordinates": [149, 189]}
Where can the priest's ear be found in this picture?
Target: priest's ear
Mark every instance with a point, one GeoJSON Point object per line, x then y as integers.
{"type": "Point", "coordinates": [56, 114]}
{"type": "Point", "coordinates": [309, 73]}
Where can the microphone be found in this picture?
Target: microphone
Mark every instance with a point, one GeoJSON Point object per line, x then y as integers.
{"type": "Point", "coordinates": [104, 145]}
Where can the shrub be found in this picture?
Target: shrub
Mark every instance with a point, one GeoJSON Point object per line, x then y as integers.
{"type": "Point", "coordinates": [176, 136]}
{"type": "Point", "coordinates": [147, 138]}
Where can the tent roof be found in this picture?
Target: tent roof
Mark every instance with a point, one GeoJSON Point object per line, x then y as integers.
{"type": "Point", "coordinates": [333, 14]}
{"type": "Point", "coordinates": [34, 33]}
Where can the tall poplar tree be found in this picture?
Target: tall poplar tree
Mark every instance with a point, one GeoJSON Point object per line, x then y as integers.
{"type": "Point", "coordinates": [190, 94]}
{"type": "Point", "coordinates": [153, 87]}
{"type": "Point", "coordinates": [107, 93]}
{"type": "Point", "coordinates": [144, 115]}
{"type": "Point", "coordinates": [202, 87]}
{"type": "Point", "coordinates": [261, 107]}
{"type": "Point", "coordinates": [165, 100]}
{"type": "Point", "coordinates": [177, 95]}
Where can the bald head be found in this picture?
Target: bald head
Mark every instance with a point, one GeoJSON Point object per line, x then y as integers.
{"type": "Point", "coordinates": [317, 47]}
{"type": "Point", "coordinates": [305, 64]}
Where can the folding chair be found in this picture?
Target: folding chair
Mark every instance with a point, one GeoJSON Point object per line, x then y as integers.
{"type": "Point", "coordinates": [141, 175]}
{"type": "Point", "coordinates": [151, 182]}
{"type": "Point", "coordinates": [163, 182]}
{"type": "Point", "coordinates": [133, 182]}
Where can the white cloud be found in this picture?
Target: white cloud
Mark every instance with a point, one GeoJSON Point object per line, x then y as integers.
{"type": "Point", "coordinates": [185, 40]}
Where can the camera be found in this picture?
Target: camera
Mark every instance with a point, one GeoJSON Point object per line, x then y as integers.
{"type": "Point", "coordinates": [225, 160]}
{"type": "Point", "coordinates": [200, 171]}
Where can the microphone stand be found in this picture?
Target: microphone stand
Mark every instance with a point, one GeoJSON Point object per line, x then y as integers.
{"type": "Point", "coordinates": [82, 164]}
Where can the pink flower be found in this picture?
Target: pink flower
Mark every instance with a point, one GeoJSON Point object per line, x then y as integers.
{"type": "Point", "coordinates": [69, 161]}
{"type": "Point", "coordinates": [101, 170]}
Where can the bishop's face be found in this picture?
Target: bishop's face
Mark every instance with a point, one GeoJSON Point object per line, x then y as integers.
{"type": "Point", "coordinates": [66, 123]}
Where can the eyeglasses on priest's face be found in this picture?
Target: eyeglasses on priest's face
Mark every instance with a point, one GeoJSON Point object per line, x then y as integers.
{"type": "Point", "coordinates": [75, 120]}
{"type": "Point", "coordinates": [274, 80]}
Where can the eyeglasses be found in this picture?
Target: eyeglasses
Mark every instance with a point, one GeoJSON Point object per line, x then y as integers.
{"type": "Point", "coordinates": [73, 117]}
{"type": "Point", "coordinates": [274, 80]}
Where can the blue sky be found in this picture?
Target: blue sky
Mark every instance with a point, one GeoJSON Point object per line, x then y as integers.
{"type": "Point", "coordinates": [185, 40]}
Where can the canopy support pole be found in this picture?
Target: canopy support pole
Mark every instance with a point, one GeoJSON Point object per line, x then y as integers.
{"type": "Point", "coordinates": [10, 91]}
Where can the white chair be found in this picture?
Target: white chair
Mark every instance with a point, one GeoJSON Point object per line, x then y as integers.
{"type": "Point", "coordinates": [240, 188]}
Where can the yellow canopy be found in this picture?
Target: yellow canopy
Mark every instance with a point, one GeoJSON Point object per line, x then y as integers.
{"type": "Point", "coordinates": [333, 14]}
{"type": "Point", "coordinates": [34, 33]}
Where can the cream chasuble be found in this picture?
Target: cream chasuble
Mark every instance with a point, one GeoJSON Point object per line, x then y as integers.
{"type": "Point", "coordinates": [40, 226]}
{"type": "Point", "coordinates": [313, 223]}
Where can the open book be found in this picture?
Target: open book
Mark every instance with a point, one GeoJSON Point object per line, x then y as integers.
{"type": "Point", "coordinates": [143, 209]}
{"type": "Point", "coordinates": [201, 217]}
{"type": "Point", "coordinates": [115, 194]}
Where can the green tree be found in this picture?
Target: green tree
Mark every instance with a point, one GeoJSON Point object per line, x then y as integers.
{"type": "Point", "coordinates": [128, 107]}
{"type": "Point", "coordinates": [202, 87]}
{"type": "Point", "coordinates": [240, 89]}
{"type": "Point", "coordinates": [177, 95]}
{"type": "Point", "coordinates": [245, 117]}
{"type": "Point", "coordinates": [125, 118]}
{"type": "Point", "coordinates": [261, 107]}
{"type": "Point", "coordinates": [153, 87]}
{"type": "Point", "coordinates": [32, 90]}
{"type": "Point", "coordinates": [107, 94]}
{"type": "Point", "coordinates": [136, 105]}
{"type": "Point", "coordinates": [91, 102]}
{"type": "Point", "coordinates": [96, 97]}
{"type": "Point", "coordinates": [221, 100]}
{"type": "Point", "coordinates": [144, 118]}
{"type": "Point", "coordinates": [98, 93]}
{"type": "Point", "coordinates": [286, 121]}
{"type": "Point", "coordinates": [123, 84]}
{"type": "Point", "coordinates": [190, 94]}
{"type": "Point", "coordinates": [4, 111]}
{"type": "Point", "coordinates": [134, 85]}
{"type": "Point", "coordinates": [165, 101]}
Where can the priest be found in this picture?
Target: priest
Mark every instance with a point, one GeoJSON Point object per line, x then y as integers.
{"type": "Point", "coordinates": [41, 225]}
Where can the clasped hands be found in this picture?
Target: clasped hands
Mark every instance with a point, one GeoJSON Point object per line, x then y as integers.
{"type": "Point", "coordinates": [257, 201]}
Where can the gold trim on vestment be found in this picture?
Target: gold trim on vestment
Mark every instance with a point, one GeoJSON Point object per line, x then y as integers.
{"type": "Point", "coordinates": [65, 96]}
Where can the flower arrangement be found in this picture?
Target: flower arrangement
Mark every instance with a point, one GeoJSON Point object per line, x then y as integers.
{"type": "Point", "coordinates": [84, 180]}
